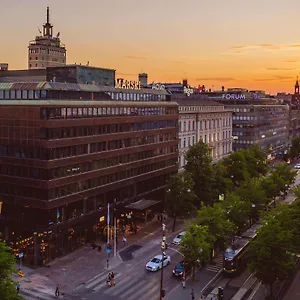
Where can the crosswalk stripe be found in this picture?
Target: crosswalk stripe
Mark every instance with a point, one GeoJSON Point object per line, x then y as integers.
{"type": "Point", "coordinates": [93, 283]}
{"type": "Point", "coordinates": [141, 293]}
{"type": "Point", "coordinates": [142, 285]}
{"type": "Point", "coordinates": [119, 286]}
{"type": "Point", "coordinates": [36, 294]}
{"type": "Point", "coordinates": [97, 276]}
{"type": "Point", "coordinates": [104, 283]}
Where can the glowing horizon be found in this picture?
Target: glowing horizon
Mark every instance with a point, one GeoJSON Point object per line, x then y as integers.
{"type": "Point", "coordinates": [230, 44]}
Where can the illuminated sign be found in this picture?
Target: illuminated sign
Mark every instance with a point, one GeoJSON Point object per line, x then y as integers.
{"type": "Point", "coordinates": [126, 84]}
{"type": "Point", "coordinates": [188, 91]}
{"type": "Point", "coordinates": [234, 96]}
{"type": "Point", "coordinates": [158, 86]}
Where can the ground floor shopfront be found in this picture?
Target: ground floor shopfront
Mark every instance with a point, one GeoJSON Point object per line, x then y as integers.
{"type": "Point", "coordinates": [42, 245]}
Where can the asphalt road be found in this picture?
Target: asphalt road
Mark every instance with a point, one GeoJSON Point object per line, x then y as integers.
{"type": "Point", "coordinates": [133, 282]}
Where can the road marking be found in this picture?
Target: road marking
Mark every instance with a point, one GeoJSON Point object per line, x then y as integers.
{"type": "Point", "coordinates": [207, 285]}
{"type": "Point", "coordinates": [104, 283]}
{"type": "Point", "coordinates": [118, 287]}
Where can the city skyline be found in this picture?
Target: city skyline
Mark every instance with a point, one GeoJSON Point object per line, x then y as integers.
{"type": "Point", "coordinates": [235, 44]}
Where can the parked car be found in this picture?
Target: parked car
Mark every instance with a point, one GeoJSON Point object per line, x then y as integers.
{"type": "Point", "coordinates": [182, 267]}
{"type": "Point", "coordinates": [178, 238]}
{"type": "Point", "coordinates": [155, 263]}
{"type": "Point", "coordinates": [297, 166]}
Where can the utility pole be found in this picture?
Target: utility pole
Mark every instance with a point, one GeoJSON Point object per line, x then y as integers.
{"type": "Point", "coordinates": [163, 248]}
{"type": "Point", "coordinates": [115, 228]}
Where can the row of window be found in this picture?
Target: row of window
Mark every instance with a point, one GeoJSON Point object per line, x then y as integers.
{"type": "Point", "coordinates": [259, 109]}
{"type": "Point", "coordinates": [83, 112]}
{"type": "Point", "coordinates": [81, 186]}
{"type": "Point", "coordinates": [44, 174]}
{"type": "Point", "coordinates": [136, 97]}
{"type": "Point", "coordinates": [210, 138]}
{"type": "Point", "coordinates": [205, 124]}
{"type": "Point", "coordinates": [70, 132]}
{"type": "Point", "coordinates": [22, 94]}
{"type": "Point", "coordinates": [64, 152]}
{"type": "Point", "coordinates": [46, 51]}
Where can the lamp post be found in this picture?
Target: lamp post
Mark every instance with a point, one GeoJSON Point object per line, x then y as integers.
{"type": "Point", "coordinates": [163, 247]}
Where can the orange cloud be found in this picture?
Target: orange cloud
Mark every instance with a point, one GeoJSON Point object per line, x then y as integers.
{"type": "Point", "coordinates": [278, 77]}
{"type": "Point", "coordinates": [280, 69]}
{"type": "Point", "coordinates": [135, 57]}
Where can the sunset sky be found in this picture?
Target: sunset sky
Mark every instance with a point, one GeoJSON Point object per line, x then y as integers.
{"type": "Point", "coordinates": [236, 43]}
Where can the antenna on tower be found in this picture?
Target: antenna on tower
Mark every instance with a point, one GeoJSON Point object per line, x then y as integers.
{"type": "Point", "coordinates": [48, 18]}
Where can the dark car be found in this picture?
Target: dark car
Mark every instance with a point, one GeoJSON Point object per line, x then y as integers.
{"type": "Point", "coordinates": [180, 268]}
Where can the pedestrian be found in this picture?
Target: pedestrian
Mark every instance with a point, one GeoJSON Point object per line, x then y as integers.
{"type": "Point", "coordinates": [99, 248]}
{"type": "Point", "coordinates": [192, 294]}
{"type": "Point", "coordinates": [112, 276]}
{"type": "Point", "coordinates": [202, 297]}
{"type": "Point", "coordinates": [124, 241]}
{"type": "Point", "coordinates": [57, 291]}
{"type": "Point", "coordinates": [183, 280]}
{"type": "Point", "coordinates": [109, 279]}
{"type": "Point", "coordinates": [18, 287]}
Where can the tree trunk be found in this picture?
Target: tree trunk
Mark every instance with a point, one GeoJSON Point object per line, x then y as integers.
{"type": "Point", "coordinates": [174, 223]}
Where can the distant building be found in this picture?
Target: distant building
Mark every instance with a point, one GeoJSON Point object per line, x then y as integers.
{"type": "Point", "coordinates": [143, 79]}
{"type": "Point", "coordinates": [46, 50]}
{"type": "Point", "coordinates": [257, 118]}
{"type": "Point", "coordinates": [82, 74]}
{"type": "Point", "coordinates": [202, 119]}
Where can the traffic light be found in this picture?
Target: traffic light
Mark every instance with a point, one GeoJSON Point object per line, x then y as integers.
{"type": "Point", "coordinates": [220, 293]}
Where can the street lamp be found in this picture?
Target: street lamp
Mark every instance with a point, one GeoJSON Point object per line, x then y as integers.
{"type": "Point", "coordinates": [163, 248]}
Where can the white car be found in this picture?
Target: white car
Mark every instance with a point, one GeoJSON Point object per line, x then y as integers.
{"type": "Point", "coordinates": [297, 166]}
{"type": "Point", "coordinates": [155, 263]}
{"type": "Point", "coordinates": [178, 238]}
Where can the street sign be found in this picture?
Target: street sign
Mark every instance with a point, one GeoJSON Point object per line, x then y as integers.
{"type": "Point", "coordinates": [107, 250]}
{"type": "Point", "coordinates": [21, 254]}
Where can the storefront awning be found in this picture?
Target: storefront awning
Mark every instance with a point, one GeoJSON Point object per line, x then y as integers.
{"type": "Point", "coordinates": [142, 204]}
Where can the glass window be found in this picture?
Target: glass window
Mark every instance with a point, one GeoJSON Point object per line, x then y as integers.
{"type": "Point", "coordinates": [108, 110]}
{"type": "Point", "coordinates": [100, 111]}
{"type": "Point", "coordinates": [6, 94]}
{"type": "Point", "coordinates": [24, 94]}
{"type": "Point", "coordinates": [19, 94]}
{"type": "Point", "coordinates": [63, 112]}
{"type": "Point", "coordinates": [37, 94]}
{"type": "Point", "coordinates": [69, 112]}
{"type": "Point", "coordinates": [43, 94]}
{"type": "Point", "coordinates": [30, 94]}
{"type": "Point", "coordinates": [95, 111]}
{"type": "Point", "coordinates": [1, 94]}
{"type": "Point", "coordinates": [75, 112]}
{"type": "Point", "coordinates": [80, 112]}
{"type": "Point", "coordinates": [84, 111]}
{"type": "Point", "coordinates": [90, 111]}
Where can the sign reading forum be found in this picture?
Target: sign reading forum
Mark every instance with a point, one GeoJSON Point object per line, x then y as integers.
{"type": "Point", "coordinates": [234, 96]}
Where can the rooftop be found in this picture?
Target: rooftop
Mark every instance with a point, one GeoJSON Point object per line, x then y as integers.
{"type": "Point", "coordinates": [73, 87]}
{"type": "Point", "coordinates": [82, 66]}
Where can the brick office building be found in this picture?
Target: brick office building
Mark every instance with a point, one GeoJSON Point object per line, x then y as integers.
{"type": "Point", "coordinates": [63, 161]}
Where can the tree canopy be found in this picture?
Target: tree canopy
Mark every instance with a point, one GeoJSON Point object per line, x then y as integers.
{"type": "Point", "coordinates": [196, 245]}
{"type": "Point", "coordinates": [199, 164]}
{"type": "Point", "coordinates": [180, 196]}
{"type": "Point", "coordinates": [7, 267]}
{"type": "Point", "coordinates": [271, 255]}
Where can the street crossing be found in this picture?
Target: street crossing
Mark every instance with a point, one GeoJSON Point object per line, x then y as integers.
{"type": "Point", "coordinates": [36, 294]}
{"type": "Point", "coordinates": [217, 264]}
{"type": "Point", "coordinates": [127, 287]}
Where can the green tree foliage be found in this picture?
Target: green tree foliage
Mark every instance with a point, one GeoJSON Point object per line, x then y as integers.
{"type": "Point", "coordinates": [199, 164]}
{"type": "Point", "coordinates": [216, 219]}
{"type": "Point", "coordinates": [237, 210]}
{"type": "Point", "coordinates": [251, 192]}
{"type": "Point", "coordinates": [295, 148]}
{"type": "Point", "coordinates": [221, 185]}
{"type": "Point", "coordinates": [7, 267]}
{"type": "Point", "coordinates": [271, 256]}
{"type": "Point", "coordinates": [196, 245]}
{"type": "Point", "coordinates": [255, 161]}
{"type": "Point", "coordinates": [180, 196]}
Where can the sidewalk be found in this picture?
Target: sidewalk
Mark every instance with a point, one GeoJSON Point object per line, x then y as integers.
{"type": "Point", "coordinates": [81, 265]}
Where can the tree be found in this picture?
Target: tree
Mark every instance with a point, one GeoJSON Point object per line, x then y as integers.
{"type": "Point", "coordinates": [251, 192]}
{"type": "Point", "coordinates": [269, 256]}
{"type": "Point", "coordinates": [7, 267]}
{"type": "Point", "coordinates": [221, 185]}
{"type": "Point", "coordinates": [255, 161]}
{"type": "Point", "coordinates": [236, 167]}
{"type": "Point", "coordinates": [196, 245]}
{"type": "Point", "coordinates": [237, 211]}
{"type": "Point", "coordinates": [180, 196]}
{"type": "Point", "coordinates": [216, 219]}
{"type": "Point", "coordinates": [295, 148]}
{"type": "Point", "coordinates": [199, 164]}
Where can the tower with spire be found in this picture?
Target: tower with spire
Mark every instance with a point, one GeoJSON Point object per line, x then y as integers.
{"type": "Point", "coordinates": [297, 87]}
{"type": "Point", "coordinates": [46, 50]}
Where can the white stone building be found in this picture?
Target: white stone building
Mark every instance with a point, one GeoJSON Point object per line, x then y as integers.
{"type": "Point", "coordinates": [206, 120]}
